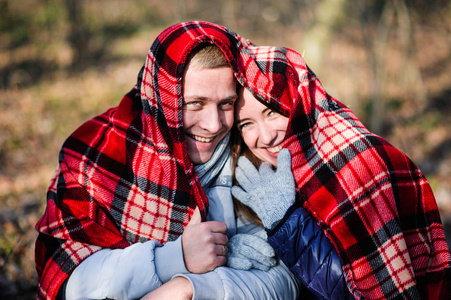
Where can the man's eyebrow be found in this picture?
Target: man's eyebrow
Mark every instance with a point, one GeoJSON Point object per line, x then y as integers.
{"type": "Point", "coordinates": [231, 97]}
{"type": "Point", "coordinates": [200, 97]}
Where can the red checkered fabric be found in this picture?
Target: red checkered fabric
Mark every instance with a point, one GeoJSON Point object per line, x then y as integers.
{"type": "Point", "coordinates": [125, 176]}
{"type": "Point", "coordinates": [369, 198]}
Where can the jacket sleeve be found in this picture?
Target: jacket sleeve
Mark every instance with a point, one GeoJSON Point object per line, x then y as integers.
{"type": "Point", "coordinates": [302, 246]}
{"type": "Point", "coordinates": [128, 273]}
{"type": "Point", "coordinates": [229, 283]}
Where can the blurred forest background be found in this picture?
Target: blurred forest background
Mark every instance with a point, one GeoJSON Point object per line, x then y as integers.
{"type": "Point", "coordinates": [65, 61]}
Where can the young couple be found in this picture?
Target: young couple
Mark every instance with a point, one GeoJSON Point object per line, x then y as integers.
{"type": "Point", "coordinates": [124, 206]}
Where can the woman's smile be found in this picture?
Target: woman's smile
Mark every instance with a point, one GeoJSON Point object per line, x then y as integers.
{"type": "Point", "coordinates": [262, 129]}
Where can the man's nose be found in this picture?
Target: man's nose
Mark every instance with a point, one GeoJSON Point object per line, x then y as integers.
{"type": "Point", "coordinates": [211, 120]}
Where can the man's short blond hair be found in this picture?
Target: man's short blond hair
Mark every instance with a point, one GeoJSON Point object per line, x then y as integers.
{"type": "Point", "coordinates": [207, 56]}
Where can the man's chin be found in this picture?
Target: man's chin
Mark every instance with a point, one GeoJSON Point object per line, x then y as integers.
{"type": "Point", "coordinates": [199, 161]}
{"type": "Point", "coordinates": [200, 158]}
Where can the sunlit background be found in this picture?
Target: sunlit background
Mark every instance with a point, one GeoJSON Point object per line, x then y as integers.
{"type": "Point", "coordinates": [65, 61]}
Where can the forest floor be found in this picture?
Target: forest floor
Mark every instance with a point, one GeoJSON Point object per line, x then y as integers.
{"type": "Point", "coordinates": [37, 113]}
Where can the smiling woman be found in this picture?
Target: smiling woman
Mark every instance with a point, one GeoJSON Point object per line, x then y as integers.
{"type": "Point", "coordinates": [264, 195]}
{"type": "Point", "coordinates": [351, 188]}
{"type": "Point", "coordinates": [262, 129]}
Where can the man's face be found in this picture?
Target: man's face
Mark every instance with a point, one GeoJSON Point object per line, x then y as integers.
{"type": "Point", "coordinates": [208, 106]}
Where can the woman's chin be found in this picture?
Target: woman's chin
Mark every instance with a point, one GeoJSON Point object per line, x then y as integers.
{"type": "Point", "coordinates": [267, 156]}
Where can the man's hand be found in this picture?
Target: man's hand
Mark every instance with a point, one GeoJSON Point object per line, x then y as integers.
{"type": "Point", "coordinates": [204, 244]}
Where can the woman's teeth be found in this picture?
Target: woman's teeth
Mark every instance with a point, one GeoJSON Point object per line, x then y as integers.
{"type": "Point", "coordinates": [201, 139]}
{"type": "Point", "coordinates": [275, 149]}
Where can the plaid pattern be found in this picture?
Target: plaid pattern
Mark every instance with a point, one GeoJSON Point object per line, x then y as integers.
{"type": "Point", "coordinates": [370, 200]}
{"type": "Point", "coordinates": [125, 176]}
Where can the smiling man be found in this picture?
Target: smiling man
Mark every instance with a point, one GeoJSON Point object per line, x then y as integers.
{"type": "Point", "coordinates": [209, 95]}
{"type": "Point", "coordinates": [125, 204]}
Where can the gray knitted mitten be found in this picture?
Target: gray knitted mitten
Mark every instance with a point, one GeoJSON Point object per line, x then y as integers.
{"type": "Point", "coordinates": [248, 251]}
{"type": "Point", "coordinates": [269, 193]}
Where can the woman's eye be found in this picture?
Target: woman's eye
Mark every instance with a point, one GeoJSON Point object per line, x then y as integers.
{"type": "Point", "coordinates": [242, 126]}
{"type": "Point", "coordinates": [273, 113]}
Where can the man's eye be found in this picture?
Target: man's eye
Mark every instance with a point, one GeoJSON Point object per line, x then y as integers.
{"type": "Point", "coordinates": [193, 105]}
{"type": "Point", "coordinates": [228, 105]}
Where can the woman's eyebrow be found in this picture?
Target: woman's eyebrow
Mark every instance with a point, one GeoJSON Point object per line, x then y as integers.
{"type": "Point", "coordinates": [238, 121]}
{"type": "Point", "coordinates": [266, 109]}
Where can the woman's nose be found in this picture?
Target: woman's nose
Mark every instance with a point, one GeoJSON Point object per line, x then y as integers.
{"type": "Point", "coordinates": [267, 135]}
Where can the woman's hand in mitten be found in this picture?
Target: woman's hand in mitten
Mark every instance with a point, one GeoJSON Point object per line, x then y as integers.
{"type": "Point", "coordinates": [268, 192]}
{"type": "Point", "coordinates": [248, 251]}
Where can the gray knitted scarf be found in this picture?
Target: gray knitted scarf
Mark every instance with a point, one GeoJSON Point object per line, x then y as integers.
{"type": "Point", "coordinates": [208, 171]}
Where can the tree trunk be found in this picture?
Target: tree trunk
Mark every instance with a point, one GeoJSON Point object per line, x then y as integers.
{"type": "Point", "coordinates": [79, 34]}
{"type": "Point", "coordinates": [317, 38]}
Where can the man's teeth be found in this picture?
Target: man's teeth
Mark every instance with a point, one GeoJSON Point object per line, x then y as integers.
{"type": "Point", "coordinates": [201, 139]}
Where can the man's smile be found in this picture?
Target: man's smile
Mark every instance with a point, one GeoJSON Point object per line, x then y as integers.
{"type": "Point", "coordinates": [200, 138]}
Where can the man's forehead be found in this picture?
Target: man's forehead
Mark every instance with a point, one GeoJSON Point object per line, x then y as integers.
{"type": "Point", "coordinates": [196, 72]}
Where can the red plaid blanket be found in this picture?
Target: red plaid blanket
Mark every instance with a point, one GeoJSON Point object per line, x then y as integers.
{"type": "Point", "coordinates": [369, 198]}
{"type": "Point", "coordinates": [125, 176]}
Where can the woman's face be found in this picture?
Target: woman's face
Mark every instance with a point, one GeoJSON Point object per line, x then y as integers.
{"type": "Point", "coordinates": [262, 129]}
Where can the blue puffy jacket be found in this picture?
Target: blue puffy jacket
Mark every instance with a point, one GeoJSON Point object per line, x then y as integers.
{"type": "Point", "coordinates": [309, 254]}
